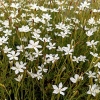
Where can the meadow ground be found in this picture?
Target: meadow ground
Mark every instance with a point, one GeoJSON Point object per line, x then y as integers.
{"type": "Point", "coordinates": [49, 50]}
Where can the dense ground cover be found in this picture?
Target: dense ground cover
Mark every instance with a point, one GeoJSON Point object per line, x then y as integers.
{"type": "Point", "coordinates": [49, 50]}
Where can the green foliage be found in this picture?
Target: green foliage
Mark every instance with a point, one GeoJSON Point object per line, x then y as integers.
{"type": "Point", "coordinates": [60, 70]}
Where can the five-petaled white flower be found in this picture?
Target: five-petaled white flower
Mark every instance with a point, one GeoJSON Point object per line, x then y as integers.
{"type": "Point", "coordinates": [59, 89]}
{"type": "Point", "coordinates": [68, 49]}
{"type": "Point", "coordinates": [93, 89]}
{"type": "Point", "coordinates": [34, 45]}
{"type": "Point", "coordinates": [92, 43]}
{"type": "Point", "coordinates": [38, 75]}
{"type": "Point", "coordinates": [91, 74]}
{"type": "Point", "coordinates": [19, 67]}
{"type": "Point", "coordinates": [3, 40]}
{"type": "Point", "coordinates": [13, 55]}
{"type": "Point", "coordinates": [51, 46]}
{"type": "Point", "coordinates": [6, 49]}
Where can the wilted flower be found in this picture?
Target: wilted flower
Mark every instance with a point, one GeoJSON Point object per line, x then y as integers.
{"type": "Point", "coordinates": [31, 74]}
{"type": "Point", "coordinates": [19, 78]}
{"type": "Point", "coordinates": [76, 78]}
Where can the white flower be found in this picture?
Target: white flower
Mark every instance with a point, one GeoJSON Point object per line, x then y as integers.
{"type": "Point", "coordinates": [82, 58]}
{"type": "Point", "coordinates": [63, 34]}
{"type": "Point", "coordinates": [89, 33]}
{"type": "Point", "coordinates": [93, 89]}
{"type": "Point", "coordinates": [92, 44]}
{"type": "Point", "coordinates": [41, 68]}
{"type": "Point", "coordinates": [60, 49]}
{"type": "Point", "coordinates": [97, 65]}
{"type": "Point", "coordinates": [31, 74]}
{"type": "Point", "coordinates": [76, 59]}
{"type": "Point", "coordinates": [19, 78]}
{"type": "Point", "coordinates": [46, 59]}
{"type": "Point", "coordinates": [37, 53]}
{"type": "Point", "coordinates": [76, 78]}
{"type": "Point", "coordinates": [38, 75]}
{"type": "Point", "coordinates": [1, 29]}
{"type": "Point", "coordinates": [24, 39]}
{"type": "Point", "coordinates": [91, 21]}
{"type": "Point", "coordinates": [24, 29]}
{"type": "Point", "coordinates": [37, 19]}
{"type": "Point", "coordinates": [36, 31]}
{"type": "Point", "coordinates": [91, 74]}
{"type": "Point", "coordinates": [51, 46]}
{"type": "Point", "coordinates": [59, 89]}
{"type": "Point", "coordinates": [97, 79]}
{"type": "Point", "coordinates": [7, 32]}
{"type": "Point", "coordinates": [13, 55]}
{"type": "Point", "coordinates": [61, 26]}
{"type": "Point", "coordinates": [6, 49]}
{"type": "Point", "coordinates": [68, 50]}
{"type": "Point", "coordinates": [85, 4]}
{"type": "Point", "coordinates": [6, 23]}
{"type": "Point", "coordinates": [31, 57]}
{"type": "Point", "coordinates": [43, 8]}
{"type": "Point", "coordinates": [46, 16]}
{"type": "Point", "coordinates": [15, 5]}
{"type": "Point", "coordinates": [53, 57]}
{"type": "Point", "coordinates": [36, 36]}
{"type": "Point", "coordinates": [94, 54]}
{"type": "Point", "coordinates": [34, 6]}
{"type": "Point", "coordinates": [59, 2]}
{"type": "Point", "coordinates": [19, 67]}
{"type": "Point", "coordinates": [46, 39]}
{"type": "Point", "coordinates": [34, 45]}
{"type": "Point", "coordinates": [3, 40]}
{"type": "Point", "coordinates": [49, 29]}
{"type": "Point", "coordinates": [20, 48]}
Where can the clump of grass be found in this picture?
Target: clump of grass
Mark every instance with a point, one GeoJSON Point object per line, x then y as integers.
{"type": "Point", "coordinates": [49, 50]}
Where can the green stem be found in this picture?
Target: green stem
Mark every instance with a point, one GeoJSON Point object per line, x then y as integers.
{"type": "Point", "coordinates": [58, 96]}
